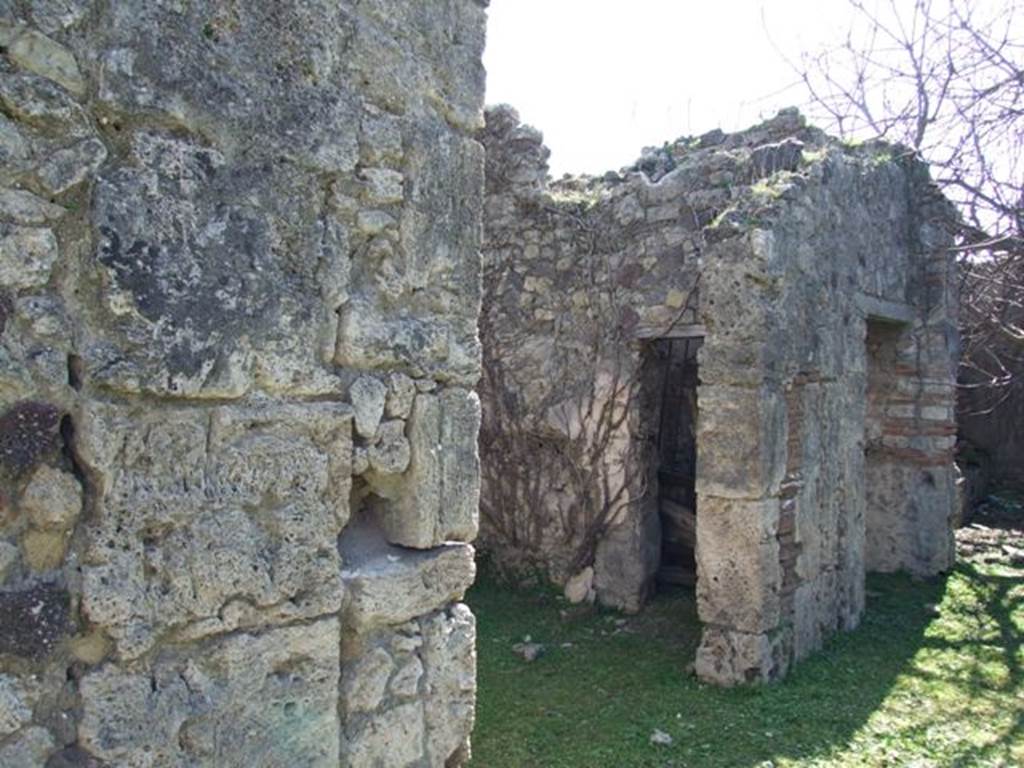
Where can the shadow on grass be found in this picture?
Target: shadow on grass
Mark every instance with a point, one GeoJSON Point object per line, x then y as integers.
{"type": "Point", "coordinates": [933, 674]}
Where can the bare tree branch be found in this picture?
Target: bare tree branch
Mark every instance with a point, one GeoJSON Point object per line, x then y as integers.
{"type": "Point", "coordinates": [946, 78]}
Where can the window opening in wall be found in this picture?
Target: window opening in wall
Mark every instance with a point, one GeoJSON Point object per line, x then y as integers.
{"type": "Point", "coordinates": [888, 413]}
{"type": "Point", "coordinates": [677, 459]}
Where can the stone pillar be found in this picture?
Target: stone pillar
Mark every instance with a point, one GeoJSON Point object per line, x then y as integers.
{"type": "Point", "coordinates": [741, 465]}
{"type": "Point", "coordinates": [741, 460]}
{"type": "Point", "coordinates": [239, 289]}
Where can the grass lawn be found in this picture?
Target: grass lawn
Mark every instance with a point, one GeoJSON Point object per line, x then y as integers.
{"type": "Point", "coordinates": [933, 677]}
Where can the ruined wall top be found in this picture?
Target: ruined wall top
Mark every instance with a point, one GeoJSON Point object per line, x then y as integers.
{"type": "Point", "coordinates": [772, 177]}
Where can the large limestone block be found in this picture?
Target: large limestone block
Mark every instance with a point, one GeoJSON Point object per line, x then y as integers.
{"type": "Point", "coordinates": [245, 700]}
{"type": "Point", "coordinates": [729, 658]}
{"type": "Point", "coordinates": [210, 520]}
{"type": "Point", "coordinates": [371, 337]}
{"type": "Point", "coordinates": [741, 438]}
{"type": "Point", "coordinates": [408, 692]}
{"type": "Point", "coordinates": [449, 658]}
{"type": "Point", "coordinates": [738, 573]}
{"type": "Point", "coordinates": [909, 517]}
{"type": "Point", "coordinates": [270, 78]}
{"type": "Point", "coordinates": [415, 303]}
{"type": "Point", "coordinates": [408, 54]}
{"type": "Point", "coordinates": [391, 737]}
{"type": "Point", "coordinates": [439, 231]}
{"type": "Point", "coordinates": [438, 498]}
{"type": "Point", "coordinates": [365, 681]}
{"type": "Point", "coordinates": [387, 585]}
{"type": "Point", "coordinates": [201, 291]}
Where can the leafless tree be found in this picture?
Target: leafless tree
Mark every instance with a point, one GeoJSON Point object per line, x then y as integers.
{"type": "Point", "coordinates": [945, 78]}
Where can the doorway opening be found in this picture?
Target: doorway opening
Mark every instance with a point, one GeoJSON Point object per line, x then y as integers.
{"type": "Point", "coordinates": [672, 377]}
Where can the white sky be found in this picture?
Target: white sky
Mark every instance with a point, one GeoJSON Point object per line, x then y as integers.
{"type": "Point", "coordinates": [604, 78]}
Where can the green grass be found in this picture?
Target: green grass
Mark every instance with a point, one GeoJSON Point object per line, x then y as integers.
{"type": "Point", "coordinates": [932, 678]}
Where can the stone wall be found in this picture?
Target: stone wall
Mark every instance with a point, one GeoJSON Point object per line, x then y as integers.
{"type": "Point", "coordinates": [239, 289]}
{"type": "Point", "coordinates": [780, 247]}
{"type": "Point", "coordinates": [572, 276]}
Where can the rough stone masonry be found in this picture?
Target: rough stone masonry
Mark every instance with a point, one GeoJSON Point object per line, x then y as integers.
{"type": "Point", "coordinates": [820, 280]}
{"type": "Point", "coordinates": [239, 290]}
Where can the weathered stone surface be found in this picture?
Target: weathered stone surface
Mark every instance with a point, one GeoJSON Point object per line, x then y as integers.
{"type": "Point", "coordinates": [912, 534]}
{"type": "Point", "coordinates": [739, 578]}
{"type": "Point", "coordinates": [43, 104]}
{"type": "Point", "coordinates": [383, 186]}
{"type": "Point", "coordinates": [443, 480]}
{"type": "Point", "coordinates": [742, 437]}
{"type": "Point", "coordinates": [29, 749]}
{"type": "Point", "coordinates": [580, 587]}
{"type": "Point", "coordinates": [15, 151]}
{"type": "Point", "coordinates": [28, 432]}
{"type": "Point", "coordinates": [38, 53]}
{"type": "Point", "coordinates": [391, 737]}
{"type": "Point", "coordinates": [390, 452]}
{"type": "Point", "coordinates": [365, 680]}
{"type": "Point", "coordinates": [218, 301]}
{"type": "Point", "coordinates": [54, 16]}
{"type": "Point", "coordinates": [385, 585]}
{"type": "Point", "coordinates": [240, 57]}
{"type": "Point", "coordinates": [367, 395]}
{"type": "Point", "coordinates": [22, 207]}
{"type": "Point", "coordinates": [68, 167]}
{"type": "Point", "coordinates": [73, 757]}
{"type": "Point", "coordinates": [412, 679]}
{"type": "Point", "coordinates": [626, 561]}
{"type": "Point", "coordinates": [449, 656]}
{"type": "Point", "coordinates": [33, 620]}
{"type": "Point", "coordinates": [405, 683]}
{"type": "Point", "coordinates": [8, 559]}
{"type": "Point", "coordinates": [212, 520]}
{"type": "Point", "coordinates": [14, 710]}
{"type": "Point", "coordinates": [27, 256]}
{"type": "Point", "coordinates": [369, 339]}
{"type": "Point", "coordinates": [91, 648]}
{"type": "Point", "coordinates": [401, 394]}
{"type": "Point", "coordinates": [726, 657]}
{"type": "Point", "coordinates": [44, 550]}
{"type": "Point", "coordinates": [266, 699]}
{"type": "Point", "coordinates": [52, 499]}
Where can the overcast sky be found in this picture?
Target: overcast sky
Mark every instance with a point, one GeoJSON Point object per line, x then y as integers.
{"type": "Point", "coordinates": [604, 78]}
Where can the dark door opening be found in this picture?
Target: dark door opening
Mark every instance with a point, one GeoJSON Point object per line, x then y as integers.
{"type": "Point", "coordinates": [677, 459]}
